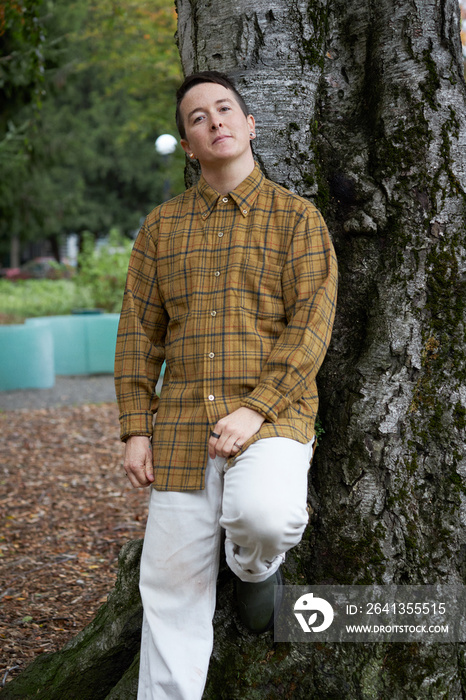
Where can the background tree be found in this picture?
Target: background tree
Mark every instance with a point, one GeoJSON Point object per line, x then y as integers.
{"type": "Point", "coordinates": [22, 41]}
{"type": "Point", "coordinates": [110, 73]}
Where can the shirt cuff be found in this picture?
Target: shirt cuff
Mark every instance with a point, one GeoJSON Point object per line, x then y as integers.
{"type": "Point", "coordinates": [266, 401]}
{"type": "Point", "coordinates": [136, 424]}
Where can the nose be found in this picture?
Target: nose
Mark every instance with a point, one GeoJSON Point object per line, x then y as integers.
{"type": "Point", "coordinates": [216, 124]}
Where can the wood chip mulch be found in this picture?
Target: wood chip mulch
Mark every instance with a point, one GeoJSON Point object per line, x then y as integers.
{"type": "Point", "coordinates": [66, 509]}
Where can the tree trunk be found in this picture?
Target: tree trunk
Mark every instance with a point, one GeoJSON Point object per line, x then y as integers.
{"type": "Point", "coordinates": [361, 107]}
{"type": "Point", "coordinates": [15, 251]}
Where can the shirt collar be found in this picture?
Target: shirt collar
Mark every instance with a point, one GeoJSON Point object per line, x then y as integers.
{"type": "Point", "coordinates": [244, 195]}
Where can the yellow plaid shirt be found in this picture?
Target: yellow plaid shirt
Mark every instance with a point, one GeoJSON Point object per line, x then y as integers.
{"type": "Point", "coordinates": [237, 293]}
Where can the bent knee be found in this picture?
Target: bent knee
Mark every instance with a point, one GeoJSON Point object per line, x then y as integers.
{"type": "Point", "coordinates": [277, 531]}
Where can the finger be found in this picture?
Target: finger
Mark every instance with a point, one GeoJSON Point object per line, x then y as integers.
{"type": "Point", "coordinates": [226, 448]}
{"type": "Point", "coordinates": [132, 480]}
{"type": "Point", "coordinates": [150, 473]}
{"type": "Point", "coordinates": [137, 476]}
{"type": "Point", "coordinates": [213, 443]}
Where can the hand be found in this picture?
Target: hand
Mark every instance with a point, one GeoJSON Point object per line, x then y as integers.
{"type": "Point", "coordinates": [234, 430]}
{"type": "Point", "coordinates": [138, 461]}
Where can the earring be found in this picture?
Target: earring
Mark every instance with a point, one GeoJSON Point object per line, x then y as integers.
{"type": "Point", "coordinates": [252, 135]}
{"type": "Point", "coordinates": [192, 156]}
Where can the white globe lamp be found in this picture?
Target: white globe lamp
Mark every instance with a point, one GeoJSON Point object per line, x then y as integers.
{"type": "Point", "coordinates": [165, 144]}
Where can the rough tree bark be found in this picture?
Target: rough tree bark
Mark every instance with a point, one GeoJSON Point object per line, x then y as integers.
{"type": "Point", "coordinates": [360, 106]}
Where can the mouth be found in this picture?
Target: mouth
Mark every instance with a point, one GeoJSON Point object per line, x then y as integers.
{"type": "Point", "coordinates": [220, 138]}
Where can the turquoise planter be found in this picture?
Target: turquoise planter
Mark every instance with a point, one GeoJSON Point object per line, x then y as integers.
{"type": "Point", "coordinates": [101, 342]}
{"type": "Point", "coordinates": [32, 354]}
{"type": "Point", "coordinates": [83, 343]}
{"type": "Point", "coordinates": [26, 358]}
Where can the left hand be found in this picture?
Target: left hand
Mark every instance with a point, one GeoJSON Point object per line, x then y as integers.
{"type": "Point", "coordinates": [234, 430]}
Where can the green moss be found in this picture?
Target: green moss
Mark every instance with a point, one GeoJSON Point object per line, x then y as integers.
{"type": "Point", "coordinates": [457, 481]}
{"type": "Point", "coordinates": [406, 666]}
{"type": "Point", "coordinates": [459, 416]}
{"type": "Point", "coordinates": [358, 561]}
{"type": "Point", "coordinates": [449, 129]}
{"type": "Point", "coordinates": [317, 176]}
{"type": "Point", "coordinates": [313, 48]}
{"type": "Point", "coordinates": [411, 536]}
{"type": "Point", "coordinates": [431, 84]}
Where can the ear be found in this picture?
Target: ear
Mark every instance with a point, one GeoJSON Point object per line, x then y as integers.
{"type": "Point", "coordinates": [251, 123]}
{"type": "Point", "coordinates": [185, 146]}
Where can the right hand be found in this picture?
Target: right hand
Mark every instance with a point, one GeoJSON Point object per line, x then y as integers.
{"type": "Point", "coordinates": [138, 461]}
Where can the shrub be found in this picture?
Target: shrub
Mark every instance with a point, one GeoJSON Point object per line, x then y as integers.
{"type": "Point", "coordinates": [26, 298]}
{"type": "Point", "coordinates": [102, 270]}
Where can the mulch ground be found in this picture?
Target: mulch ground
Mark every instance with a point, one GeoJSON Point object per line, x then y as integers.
{"type": "Point", "coordinates": [66, 509]}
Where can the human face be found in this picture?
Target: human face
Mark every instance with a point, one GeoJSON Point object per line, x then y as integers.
{"type": "Point", "coordinates": [217, 131]}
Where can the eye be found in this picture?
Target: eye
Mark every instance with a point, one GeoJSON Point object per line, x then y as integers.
{"type": "Point", "coordinates": [225, 108]}
{"type": "Point", "coordinates": [198, 118]}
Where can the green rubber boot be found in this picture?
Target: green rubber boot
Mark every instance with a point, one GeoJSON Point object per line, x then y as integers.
{"type": "Point", "coordinates": [256, 602]}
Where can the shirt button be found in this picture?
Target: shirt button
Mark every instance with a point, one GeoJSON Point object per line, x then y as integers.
{"type": "Point", "coordinates": [211, 355]}
{"type": "Point", "coordinates": [245, 211]}
{"type": "Point", "coordinates": [211, 397]}
{"type": "Point", "coordinates": [213, 313]}
{"type": "Point", "coordinates": [217, 273]}
{"type": "Point", "coordinates": [220, 234]}
{"type": "Point", "coordinates": [225, 200]}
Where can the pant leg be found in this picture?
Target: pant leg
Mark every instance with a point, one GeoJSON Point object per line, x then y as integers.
{"type": "Point", "coordinates": [264, 505]}
{"type": "Point", "coordinates": [179, 568]}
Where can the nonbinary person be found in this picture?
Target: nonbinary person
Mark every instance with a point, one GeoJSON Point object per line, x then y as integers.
{"type": "Point", "coordinates": [233, 284]}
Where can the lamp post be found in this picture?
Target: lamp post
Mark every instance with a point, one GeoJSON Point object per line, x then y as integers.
{"type": "Point", "coordinates": [165, 145]}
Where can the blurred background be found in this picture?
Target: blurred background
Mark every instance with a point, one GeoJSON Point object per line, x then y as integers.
{"type": "Point", "coordinates": [86, 90]}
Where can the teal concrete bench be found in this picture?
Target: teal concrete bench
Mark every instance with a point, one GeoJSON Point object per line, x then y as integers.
{"type": "Point", "coordinates": [32, 354]}
{"type": "Point", "coordinates": [26, 357]}
{"type": "Point", "coordinates": [83, 343]}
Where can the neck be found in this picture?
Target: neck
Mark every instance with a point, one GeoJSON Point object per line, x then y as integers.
{"type": "Point", "coordinates": [225, 177]}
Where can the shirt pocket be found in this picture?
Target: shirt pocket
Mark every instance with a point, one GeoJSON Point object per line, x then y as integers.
{"type": "Point", "coordinates": [176, 285]}
{"type": "Point", "coordinates": [261, 289]}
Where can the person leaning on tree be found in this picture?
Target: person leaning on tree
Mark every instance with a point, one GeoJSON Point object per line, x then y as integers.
{"type": "Point", "coordinates": [233, 284]}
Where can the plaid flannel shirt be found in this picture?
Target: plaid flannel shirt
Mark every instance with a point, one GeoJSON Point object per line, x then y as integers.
{"type": "Point", "coordinates": [237, 293]}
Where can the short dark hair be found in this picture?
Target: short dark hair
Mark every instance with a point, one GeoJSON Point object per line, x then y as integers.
{"type": "Point", "coordinates": [207, 76]}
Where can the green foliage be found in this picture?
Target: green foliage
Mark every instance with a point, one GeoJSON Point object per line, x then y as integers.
{"type": "Point", "coordinates": [111, 71]}
{"type": "Point", "coordinates": [28, 298]}
{"type": "Point", "coordinates": [22, 40]}
{"type": "Point", "coordinates": [99, 283]}
{"type": "Point", "coordinates": [103, 270]}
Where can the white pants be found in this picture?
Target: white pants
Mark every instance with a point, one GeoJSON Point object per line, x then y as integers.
{"type": "Point", "coordinates": [260, 501]}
